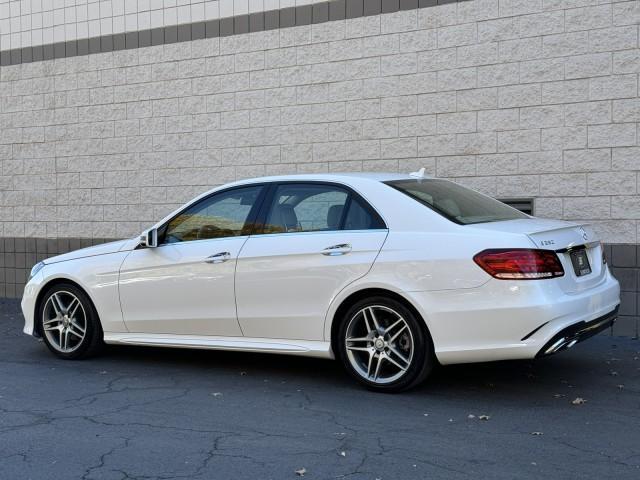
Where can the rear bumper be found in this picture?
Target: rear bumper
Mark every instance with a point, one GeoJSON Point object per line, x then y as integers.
{"type": "Point", "coordinates": [509, 320]}
{"type": "Point", "coordinates": [578, 332]}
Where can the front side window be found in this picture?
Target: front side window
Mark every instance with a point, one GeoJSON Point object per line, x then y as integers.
{"type": "Point", "coordinates": [224, 214]}
{"type": "Point", "coordinates": [455, 202]}
{"type": "Point", "coordinates": [317, 207]}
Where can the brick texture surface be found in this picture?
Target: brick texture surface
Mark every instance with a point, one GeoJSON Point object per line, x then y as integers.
{"type": "Point", "coordinates": [517, 99]}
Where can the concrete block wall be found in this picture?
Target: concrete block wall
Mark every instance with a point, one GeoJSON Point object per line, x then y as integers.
{"type": "Point", "coordinates": [624, 261]}
{"type": "Point", "coordinates": [516, 98]}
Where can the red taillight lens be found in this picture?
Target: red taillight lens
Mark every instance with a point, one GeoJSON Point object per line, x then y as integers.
{"type": "Point", "coordinates": [520, 263]}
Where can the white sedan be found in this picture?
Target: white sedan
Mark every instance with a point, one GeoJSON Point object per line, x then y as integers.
{"type": "Point", "coordinates": [391, 274]}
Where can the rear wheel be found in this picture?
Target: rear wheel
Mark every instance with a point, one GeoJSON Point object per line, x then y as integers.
{"type": "Point", "coordinates": [384, 345]}
{"type": "Point", "coordinates": [68, 322]}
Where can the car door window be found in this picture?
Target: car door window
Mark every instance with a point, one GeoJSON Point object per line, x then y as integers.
{"type": "Point", "coordinates": [306, 208]}
{"type": "Point", "coordinates": [224, 214]}
{"type": "Point", "coordinates": [360, 218]}
{"type": "Point", "coordinates": [317, 207]}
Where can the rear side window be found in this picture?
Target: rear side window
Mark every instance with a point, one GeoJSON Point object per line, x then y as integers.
{"type": "Point", "coordinates": [455, 202]}
{"type": "Point", "coordinates": [359, 218]}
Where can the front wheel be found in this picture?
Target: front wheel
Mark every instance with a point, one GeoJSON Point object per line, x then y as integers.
{"type": "Point", "coordinates": [384, 345]}
{"type": "Point", "coordinates": [69, 323]}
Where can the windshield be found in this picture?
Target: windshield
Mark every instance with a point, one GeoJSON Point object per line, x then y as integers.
{"type": "Point", "coordinates": [455, 202]}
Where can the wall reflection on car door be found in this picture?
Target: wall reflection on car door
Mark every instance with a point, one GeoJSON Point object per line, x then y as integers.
{"type": "Point", "coordinates": [186, 284]}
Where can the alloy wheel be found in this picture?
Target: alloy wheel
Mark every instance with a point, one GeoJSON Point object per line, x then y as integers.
{"type": "Point", "coordinates": [379, 344]}
{"type": "Point", "coordinates": [64, 321]}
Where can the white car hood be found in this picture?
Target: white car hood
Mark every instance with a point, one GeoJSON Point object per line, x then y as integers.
{"type": "Point", "coordinates": [101, 249]}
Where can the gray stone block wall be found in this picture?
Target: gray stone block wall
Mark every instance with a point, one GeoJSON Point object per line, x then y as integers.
{"type": "Point", "coordinates": [518, 99]}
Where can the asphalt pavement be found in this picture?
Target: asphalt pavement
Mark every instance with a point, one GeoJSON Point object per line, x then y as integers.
{"type": "Point", "coordinates": [147, 413]}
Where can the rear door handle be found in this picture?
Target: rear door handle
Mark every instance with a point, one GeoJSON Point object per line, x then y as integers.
{"type": "Point", "coordinates": [334, 250]}
{"type": "Point", "coordinates": [218, 257]}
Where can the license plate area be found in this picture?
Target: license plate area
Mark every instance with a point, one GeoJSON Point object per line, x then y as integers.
{"type": "Point", "coordinates": [580, 262]}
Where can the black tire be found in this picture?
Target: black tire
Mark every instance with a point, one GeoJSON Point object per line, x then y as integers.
{"type": "Point", "coordinates": [422, 359]}
{"type": "Point", "coordinates": [92, 341]}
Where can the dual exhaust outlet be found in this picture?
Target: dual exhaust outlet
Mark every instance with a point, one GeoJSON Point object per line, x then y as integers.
{"type": "Point", "coordinates": [573, 334]}
{"type": "Point", "coordinates": [561, 344]}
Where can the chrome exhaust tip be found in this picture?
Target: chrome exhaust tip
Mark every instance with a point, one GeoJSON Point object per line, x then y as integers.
{"type": "Point", "coordinates": [555, 346]}
{"type": "Point", "coordinates": [561, 344]}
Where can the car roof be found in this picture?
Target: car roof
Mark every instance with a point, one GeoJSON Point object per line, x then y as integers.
{"type": "Point", "coordinates": [368, 184]}
{"type": "Point", "coordinates": [328, 177]}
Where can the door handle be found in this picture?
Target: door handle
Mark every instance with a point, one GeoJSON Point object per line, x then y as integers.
{"type": "Point", "coordinates": [334, 250]}
{"type": "Point", "coordinates": [218, 257]}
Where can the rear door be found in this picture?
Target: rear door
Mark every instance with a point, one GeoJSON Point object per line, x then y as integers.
{"type": "Point", "coordinates": [316, 239]}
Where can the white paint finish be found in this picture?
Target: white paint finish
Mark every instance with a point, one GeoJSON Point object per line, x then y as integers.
{"type": "Point", "coordinates": [190, 296]}
{"type": "Point", "coordinates": [415, 260]}
{"type": "Point", "coordinates": [287, 293]}
{"type": "Point", "coordinates": [28, 302]}
{"type": "Point", "coordinates": [245, 344]}
{"type": "Point", "coordinates": [35, 22]}
{"type": "Point", "coordinates": [96, 274]}
{"type": "Point", "coordinates": [95, 250]}
{"type": "Point", "coordinates": [488, 323]}
{"type": "Point", "coordinates": [285, 282]}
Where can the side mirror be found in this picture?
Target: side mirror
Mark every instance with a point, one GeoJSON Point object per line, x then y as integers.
{"type": "Point", "coordinates": [149, 238]}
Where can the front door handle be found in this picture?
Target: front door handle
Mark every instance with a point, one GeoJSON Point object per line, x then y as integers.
{"type": "Point", "coordinates": [334, 250]}
{"type": "Point", "coordinates": [218, 257]}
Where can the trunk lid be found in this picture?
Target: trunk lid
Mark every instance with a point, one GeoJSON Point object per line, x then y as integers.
{"type": "Point", "coordinates": [565, 238]}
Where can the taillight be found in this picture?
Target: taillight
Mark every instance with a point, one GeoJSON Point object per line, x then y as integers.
{"type": "Point", "coordinates": [520, 263]}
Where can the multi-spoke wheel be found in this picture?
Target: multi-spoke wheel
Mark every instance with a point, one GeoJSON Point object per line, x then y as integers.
{"type": "Point", "coordinates": [384, 345]}
{"type": "Point", "coordinates": [69, 324]}
{"type": "Point", "coordinates": [64, 322]}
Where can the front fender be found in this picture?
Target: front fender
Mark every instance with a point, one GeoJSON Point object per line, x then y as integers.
{"type": "Point", "coordinates": [97, 276]}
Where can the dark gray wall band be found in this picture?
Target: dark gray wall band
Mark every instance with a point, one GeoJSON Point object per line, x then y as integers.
{"type": "Point", "coordinates": [18, 255]}
{"type": "Point", "coordinates": [255, 22]}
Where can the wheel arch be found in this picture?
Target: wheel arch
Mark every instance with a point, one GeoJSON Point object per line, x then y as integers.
{"type": "Point", "coordinates": [45, 287]}
{"type": "Point", "coordinates": [362, 293]}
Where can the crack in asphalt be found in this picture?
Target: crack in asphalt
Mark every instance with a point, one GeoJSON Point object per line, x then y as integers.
{"type": "Point", "coordinates": [102, 460]}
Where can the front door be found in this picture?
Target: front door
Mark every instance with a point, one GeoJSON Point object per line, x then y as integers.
{"type": "Point", "coordinates": [317, 239]}
{"type": "Point", "coordinates": [186, 284]}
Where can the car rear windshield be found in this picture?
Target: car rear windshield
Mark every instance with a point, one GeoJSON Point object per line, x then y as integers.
{"type": "Point", "coordinates": [455, 202]}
